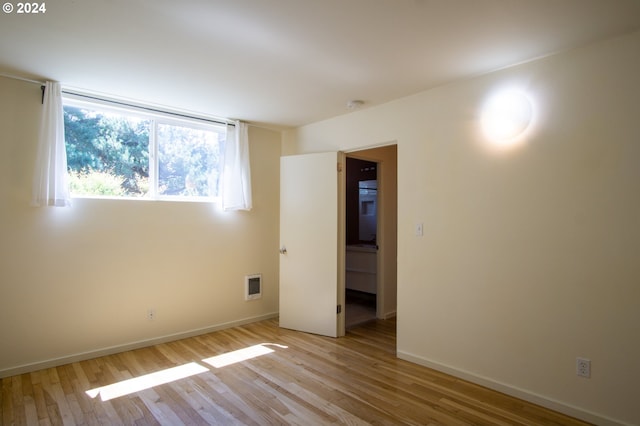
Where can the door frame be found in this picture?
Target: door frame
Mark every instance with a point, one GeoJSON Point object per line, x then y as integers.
{"type": "Point", "coordinates": [382, 255]}
{"type": "Point", "coordinates": [342, 235]}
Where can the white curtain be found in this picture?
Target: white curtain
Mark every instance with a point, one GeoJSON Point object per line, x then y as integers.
{"type": "Point", "coordinates": [50, 185]}
{"type": "Point", "coordinates": [236, 174]}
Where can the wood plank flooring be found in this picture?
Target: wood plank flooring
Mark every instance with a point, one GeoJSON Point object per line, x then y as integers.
{"type": "Point", "coordinates": [294, 378]}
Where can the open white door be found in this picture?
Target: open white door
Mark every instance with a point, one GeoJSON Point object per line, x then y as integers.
{"type": "Point", "coordinates": [310, 244]}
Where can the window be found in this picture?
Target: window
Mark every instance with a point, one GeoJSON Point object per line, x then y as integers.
{"type": "Point", "coordinates": [137, 153]}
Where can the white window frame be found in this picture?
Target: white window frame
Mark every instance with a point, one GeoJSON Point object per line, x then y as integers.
{"type": "Point", "coordinates": [155, 116]}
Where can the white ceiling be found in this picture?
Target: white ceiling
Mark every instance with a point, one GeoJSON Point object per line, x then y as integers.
{"type": "Point", "coordinates": [291, 62]}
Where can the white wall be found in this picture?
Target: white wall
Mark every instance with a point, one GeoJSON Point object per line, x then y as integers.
{"type": "Point", "coordinates": [81, 279]}
{"type": "Point", "coordinates": [530, 256]}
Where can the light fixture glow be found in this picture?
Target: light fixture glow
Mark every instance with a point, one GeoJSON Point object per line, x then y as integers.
{"type": "Point", "coordinates": [506, 116]}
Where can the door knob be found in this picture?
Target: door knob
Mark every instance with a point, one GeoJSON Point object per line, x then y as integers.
{"type": "Point", "coordinates": [283, 250]}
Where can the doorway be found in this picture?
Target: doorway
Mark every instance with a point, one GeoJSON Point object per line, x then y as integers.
{"type": "Point", "coordinates": [370, 235]}
{"type": "Point", "coordinates": [361, 250]}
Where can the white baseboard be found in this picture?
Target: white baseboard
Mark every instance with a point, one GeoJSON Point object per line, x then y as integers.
{"type": "Point", "coordinates": [389, 315]}
{"type": "Point", "coordinates": [523, 394]}
{"type": "Point", "coordinates": [27, 368]}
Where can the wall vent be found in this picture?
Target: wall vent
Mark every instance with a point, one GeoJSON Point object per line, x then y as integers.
{"type": "Point", "coordinates": [253, 287]}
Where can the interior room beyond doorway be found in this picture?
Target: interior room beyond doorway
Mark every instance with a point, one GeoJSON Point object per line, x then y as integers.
{"type": "Point", "coordinates": [361, 253]}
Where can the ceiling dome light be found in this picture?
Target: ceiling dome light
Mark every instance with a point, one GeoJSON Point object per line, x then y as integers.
{"type": "Point", "coordinates": [355, 104]}
{"type": "Point", "coordinates": [506, 116]}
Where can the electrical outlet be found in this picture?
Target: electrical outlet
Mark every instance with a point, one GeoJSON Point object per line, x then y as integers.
{"type": "Point", "coordinates": [151, 314]}
{"type": "Point", "coordinates": [583, 367]}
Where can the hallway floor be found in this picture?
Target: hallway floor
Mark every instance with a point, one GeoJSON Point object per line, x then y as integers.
{"type": "Point", "coordinates": [360, 307]}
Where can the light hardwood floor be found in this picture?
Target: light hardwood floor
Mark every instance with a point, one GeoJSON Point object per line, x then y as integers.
{"type": "Point", "coordinates": [305, 380]}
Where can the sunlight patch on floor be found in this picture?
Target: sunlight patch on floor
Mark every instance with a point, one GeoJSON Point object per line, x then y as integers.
{"type": "Point", "coordinates": [240, 355]}
{"type": "Point", "coordinates": [147, 381]}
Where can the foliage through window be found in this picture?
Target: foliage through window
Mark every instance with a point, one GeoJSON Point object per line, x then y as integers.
{"type": "Point", "coordinates": [128, 153]}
